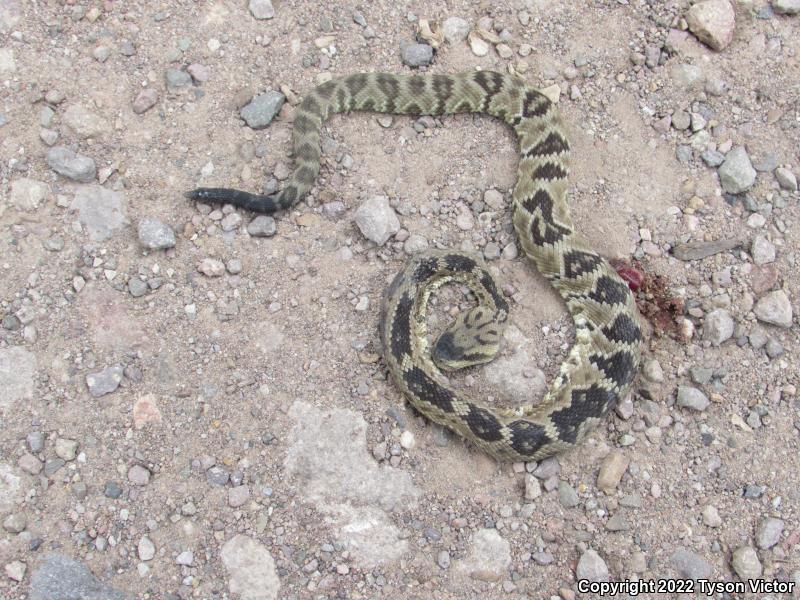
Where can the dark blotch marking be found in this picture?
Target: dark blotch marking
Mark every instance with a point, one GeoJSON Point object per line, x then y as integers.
{"type": "Point", "coordinates": [552, 144]}
{"type": "Point", "coordinates": [527, 437]}
{"type": "Point", "coordinates": [593, 402]}
{"type": "Point", "coordinates": [491, 287]}
{"type": "Point", "coordinates": [390, 88]}
{"type": "Point", "coordinates": [355, 83]}
{"type": "Point", "coordinates": [344, 101]}
{"type": "Point", "coordinates": [425, 270]}
{"type": "Point", "coordinates": [400, 341]}
{"type": "Point", "coordinates": [619, 367]}
{"type": "Point", "coordinates": [416, 85]}
{"type": "Point", "coordinates": [423, 386]}
{"type": "Point", "coordinates": [483, 424]}
{"type": "Point", "coordinates": [457, 262]}
{"type": "Point", "coordinates": [369, 104]}
{"type": "Point", "coordinates": [302, 124]}
{"type": "Point", "coordinates": [623, 330]}
{"type": "Point", "coordinates": [442, 89]}
{"type": "Point", "coordinates": [306, 175]}
{"type": "Point", "coordinates": [492, 83]}
{"type": "Point", "coordinates": [577, 263]}
{"type": "Point", "coordinates": [310, 105]}
{"type": "Point", "coordinates": [326, 90]}
{"type": "Point", "coordinates": [307, 152]}
{"type": "Point", "coordinates": [610, 291]}
{"type": "Point", "coordinates": [463, 106]}
{"type": "Point", "coordinates": [549, 171]}
{"type": "Point", "coordinates": [413, 109]}
{"type": "Point", "coordinates": [534, 104]}
{"type": "Point", "coordinates": [543, 229]}
{"type": "Point", "coordinates": [288, 196]}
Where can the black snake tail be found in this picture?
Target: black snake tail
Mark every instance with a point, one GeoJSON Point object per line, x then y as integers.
{"type": "Point", "coordinates": [260, 203]}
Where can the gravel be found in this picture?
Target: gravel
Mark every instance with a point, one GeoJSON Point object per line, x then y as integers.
{"type": "Point", "coordinates": [105, 381]}
{"type": "Point", "coordinates": [100, 210]}
{"type": "Point", "coordinates": [18, 368]}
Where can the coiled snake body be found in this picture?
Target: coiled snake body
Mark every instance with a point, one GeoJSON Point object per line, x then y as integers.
{"type": "Point", "coordinates": [605, 358]}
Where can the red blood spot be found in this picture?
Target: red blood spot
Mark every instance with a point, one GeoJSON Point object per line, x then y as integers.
{"type": "Point", "coordinates": [631, 275]}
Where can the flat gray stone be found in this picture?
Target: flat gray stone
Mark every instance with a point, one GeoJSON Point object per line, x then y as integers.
{"type": "Point", "coordinates": [261, 9]}
{"type": "Point", "coordinates": [786, 179]}
{"type": "Point", "coordinates": [260, 111]}
{"type": "Point", "coordinates": [155, 235]}
{"type": "Point", "coordinates": [63, 578]}
{"type": "Point", "coordinates": [775, 308]}
{"type": "Point", "coordinates": [100, 210]}
{"type": "Point", "coordinates": [177, 79]}
{"type": "Point", "coordinates": [591, 566]}
{"type": "Point", "coordinates": [768, 532]}
{"type": "Point", "coordinates": [489, 556]}
{"type": "Point", "coordinates": [786, 7]}
{"type": "Point", "coordinates": [377, 220]}
{"type": "Point", "coordinates": [84, 123]}
{"type": "Point", "coordinates": [105, 381]}
{"type": "Point", "coordinates": [71, 165]}
{"type": "Point", "coordinates": [690, 397]}
{"type": "Point", "coordinates": [28, 194]}
{"type": "Point", "coordinates": [746, 564]}
{"type": "Point", "coordinates": [145, 100]}
{"type": "Point", "coordinates": [690, 565]}
{"type": "Point", "coordinates": [718, 326]}
{"type": "Point", "coordinates": [455, 29]}
{"type": "Point", "coordinates": [686, 76]}
{"type": "Point", "coordinates": [737, 174]}
{"type": "Point", "coordinates": [762, 250]}
{"type": "Point", "coordinates": [701, 249]}
{"type": "Point", "coordinates": [17, 372]}
{"type": "Point", "coordinates": [262, 226]}
{"type": "Point", "coordinates": [416, 55]}
{"type": "Point", "coordinates": [251, 569]}
{"type": "Point", "coordinates": [330, 461]}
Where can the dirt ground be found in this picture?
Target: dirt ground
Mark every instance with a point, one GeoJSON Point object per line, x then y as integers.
{"type": "Point", "coordinates": [209, 416]}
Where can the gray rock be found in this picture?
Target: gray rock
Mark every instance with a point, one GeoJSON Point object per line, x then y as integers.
{"type": "Point", "coordinates": [736, 174]}
{"type": "Point", "coordinates": [260, 111]}
{"type": "Point", "coordinates": [415, 244]}
{"type": "Point", "coordinates": [690, 565]}
{"type": "Point", "coordinates": [489, 556]}
{"type": "Point", "coordinates": [101, 211]}
{"type": "Point", "coordinates": [136, 287]}
{"type": "Point", "coordinates": [105, 381]}
{"type": "Point", "coordinates": [762, 250]}
{"type": "Point", "coordinates": [786, 179]}
{"type": "Point", "coordinates": [112, 490]}
{"type": "Point", "coordinates": [684, 153]}
{"type": "Point", "coordinates": [786, 7]}
{"type": "Point", "coordinates": [177, 79]}
{"type": "Point", "coordinates": [377, 220]}
{"type": "Point", "coordinates": [329, 456]}
{"type": "Point", "coordinates": [185, 558]}
{"type": "Point", "coordinates": [681, 120]}
{"type": "Point", "coordinates": [261, 9]}
{"type": "Point", "coordinates": [27, 194]}
{"type": "Point", "coordinates": [567, 495]}
{"type": "Point", "coordinates": [15, 523]}
{"type": "Point", "coordinates": [746, 564]}
{"type": "Point", "coordinates": [689, 397]}
{"type": "Point", "coordinates": [775, 308]}
{"type": "Point", "coordinates": [252, 574]}
{"type": "Point", "coordinates": [766, 162]}
{"type": "Point", "coordinates": [774, 348]}
{"type": "Point", "coordinates": [155, 235]}
{"type": "Point", "coordinates": [713, 22]}
{"type": "Point", "coordinates": [62, 578]}
{"type": "Point", "coordinates": [145, 549]}
{"type": "Point", "coordinates": [768, 532]}
{"type": "Point", "coordinates": [238, 496]}
{"type": "Point", "coordinates": [443, 559]}
{"type": "Point", "coordinates": [35, 439]}
{"type": "Point", "coordinates": [217, 476]}
{"type": "Point", "coordinates": [686, 76]}
{"type": "Point", "coordinates": [700, 375]}
{"type": "Point", "coordinates": [455, 29]}
{"type": "Point", "coordinates": [138, 475]}
{"type": "Point", "coordinates": [700, 249]}
{"type": "Point", "coordinates": [71, 165]}
{"type": "Point", "coordinates": [66, 449]}
{"type": "Point", "coordinates": [17, 372]}
{"type": "Point", "coordinates": [84, 123]}
{"type": "Point", "coordinates": [416, 55]}
{"type": "Point", "coordinates": [591, 566]}
{"type": "Point", "coordinates": [145, 100]}
{"type": "Point", "coordinates": [713, 158]}
{"type": "Point", "coordinates": [718, 326]}
{"type": "Point", "coordinates": [262, 226]}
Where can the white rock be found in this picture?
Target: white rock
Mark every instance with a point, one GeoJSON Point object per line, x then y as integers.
{"type": "Point", "coordinates": [251, 569]}
{"type": "Point", "coordinates": [146, 549]}
{"type": "Point", "coordinates": [377, 220]}
{"type": "Point", "coordinates": [775, 308]}
{"type": "Point", "coordinates": [27, 194]}
{"type": "Point", "coordinates": [489, 557]}
{"type": "Point", "coordinates": [591, 566]}
{"type": "Point", "coordinates": [455, 29]}
{"type": "Point", "coordinates": [713, 22]}
{"type": "Point", "coordinates": [737, 174]}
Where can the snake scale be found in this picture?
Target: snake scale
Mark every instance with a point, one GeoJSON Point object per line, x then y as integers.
{"type": "Point", "coordinates": [604, 360]}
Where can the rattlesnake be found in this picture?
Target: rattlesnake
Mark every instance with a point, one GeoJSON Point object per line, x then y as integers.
{"type": "Point", "coordinates": [604, 360]}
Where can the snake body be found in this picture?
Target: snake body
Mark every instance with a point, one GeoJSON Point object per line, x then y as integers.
{"type": "Point", "coordinates": [604, 360]}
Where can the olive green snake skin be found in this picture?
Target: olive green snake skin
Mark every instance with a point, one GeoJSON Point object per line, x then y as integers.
{"type": "Point", "coordinates": [601, 365]}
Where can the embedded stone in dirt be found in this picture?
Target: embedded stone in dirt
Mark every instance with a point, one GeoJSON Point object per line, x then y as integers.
{"type": "Point", "coordinates": [251, 569]}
